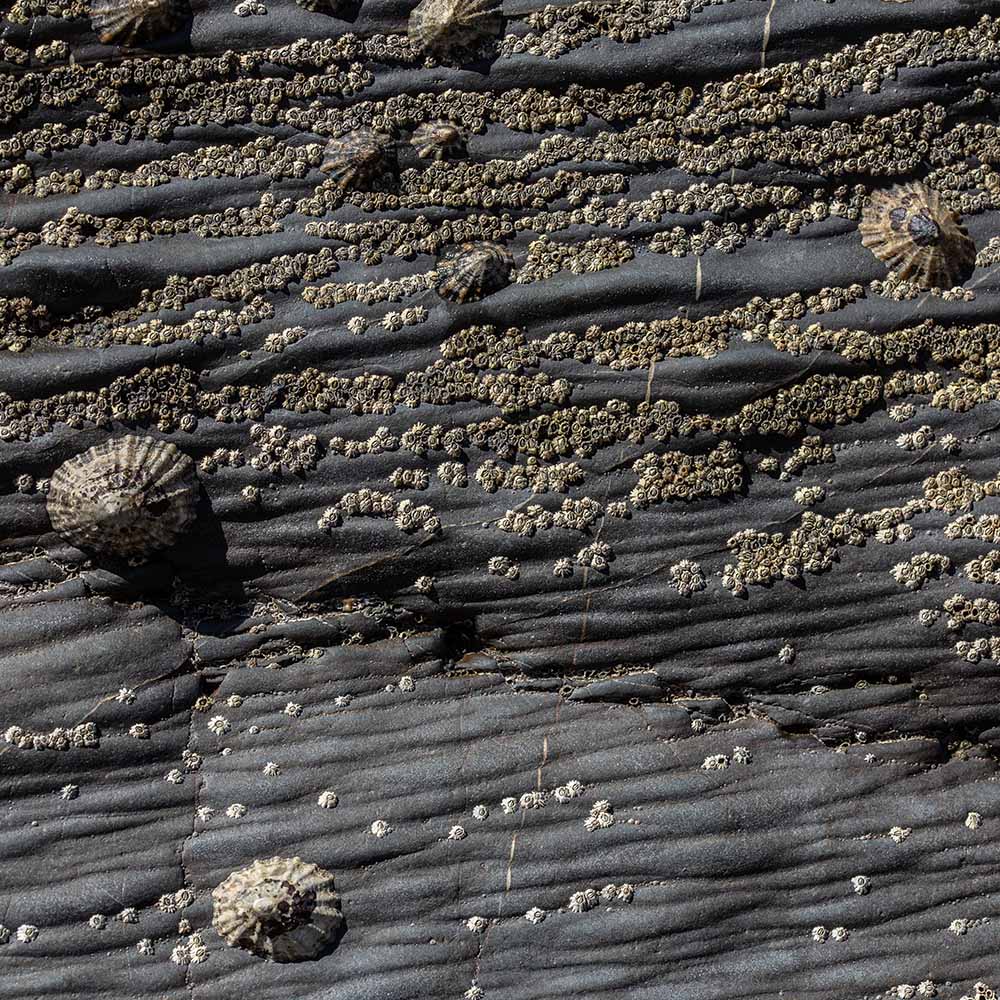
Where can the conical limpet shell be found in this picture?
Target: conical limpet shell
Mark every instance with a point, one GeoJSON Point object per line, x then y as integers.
{"type": "Point", "coordinates": [920, 238]}
{"type": "Point", "coordinates": [472, 270]}
{"type": "Point", "coordinates": [134, 21]}
{"type": "Point", "coordinates": [283, 909]}
{"type": "Point", "coordinates": [438, 140]}
{"type": "Point", "coordinates": [356, 158]}
{"type": "Point", "coordinates": [439, 25]}
{"type": "Point", "coordinates": [129, 497]}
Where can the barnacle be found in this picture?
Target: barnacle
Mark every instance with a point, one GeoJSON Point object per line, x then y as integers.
{"type": "Point", "coordinates": [283, 909]}
{"type": "Point", "coordinates": [128, 497]}
{"type": "Point", "coordinates": [472, 270]}
{"type": "Point", "coordinates": [438, 140]}
{"type": "Point", "coordinates": [357, 157]}
{"type": "Point", "coordinates": [134, 21]}
{"type": "Point", "coordinates": [910, 229]}
{"type": "Point", "coordinates": [440, 25]}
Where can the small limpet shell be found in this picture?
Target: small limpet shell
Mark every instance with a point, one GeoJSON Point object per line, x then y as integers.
{"type": "Point", "coordinates": [283, 909]}
{"type": "Point", "coordinates": [472, 270]}
{"type": "Point", "coordinates": [438, 140]}
{"type": "Point", "coordinates": [920, 238]}
{"type": "Point", "coordinates": [439, 25]}
{"type": "Point", "coordinates": [134, 21]}
{"type": "Point", "coordinates": [357, 157]}
{"type": "Point", "coordinates": [129, 497]}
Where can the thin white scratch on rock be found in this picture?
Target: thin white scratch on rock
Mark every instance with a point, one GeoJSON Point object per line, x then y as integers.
{"type": "Point", "coordinates": [767, 34]}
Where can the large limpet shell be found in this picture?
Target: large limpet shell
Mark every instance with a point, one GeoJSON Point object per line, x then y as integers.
{"type": "Point", "coordinates": [128, 497]}
{"type": "Point", "coordinates": [472, 270]}
{"type": "Point", "coordinates": [439, 25]}
{"type": "Point", "coordinates": [131, 22]}
{"type": "Point", "coordinates": [920, 238]}
{"type": "Point", "coordinates": [284, 909]}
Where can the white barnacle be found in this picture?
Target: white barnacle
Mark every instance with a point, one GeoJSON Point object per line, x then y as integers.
{"type": "Point", "coordinates": [145, 947]}
{"type": "Point", "coordinates": [456, 833]}
{"type": "Point", "coordinates": [580, 902]}
{"type": "Point", "coordinates": [27, 933]}
{"type": "Point", "coordinates": [480, 812]}
{"type": "Point", "coordinates": [407, 683]}
{"type": "Point", "coordinates": [69, 791]}
{"type": "Point", "coordinates": [861, 884]}
{"type": "Point", "coordinates": [535, 915]}
{"type": "Point", "coordinates": [598, 821]}
{"type": "Point", "coordinates": [380, 828]}
{"type": "Point", "coordinates": [271, 769]}
{"type": "Point", "coordinates": [900, 833]}
{"type": "Point", "coordinates": [327, 799]}
{"type": "Point", "coordinates": [840, 934]}
{"type": "Point", "coordinates": [204, 813]}
{"type": "Point", "coordinates": [139, 731]}
{"type": "Point", "coordinates": [959, 926]}
{"type": "Point", "coordinates": [174, 776]}
{"type": "Point", "coordinates": [125, 696]}
{"type": "Point", "coordinates": [509, 804]}
{"type": "Point", "coordinates": [236, 810]}
{"type": "Point", "coordinates": [97, 922]}
{"type": "Point", "coordinates": [742, 755]}
{"type": "Point", "coordinates": [129, 915]}
{"type": "Point", "coordinates": [974, 821]}
{"type": "Point", "coordinates": [716, 762]}
{"type": "Point", "coordinates": [477, 924]}
{"type": "Point", "coordinates": [342, 700]}
{"type": "Point", "coordinates": [292, 709]}
{"type": "Point", "coordinates": [219, 725]}
{"type": "Point", "coordinates": [820, 933]}
{"type": "Point", "coordinates": [532, 800]}
{"type": "Point", "coordinates": [4, 934]}
{"type": "Point", "coordinates": [571, 790]}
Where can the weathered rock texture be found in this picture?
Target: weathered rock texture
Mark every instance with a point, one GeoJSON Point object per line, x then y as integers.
{"type": "Point", "coordinates": [631, 631]}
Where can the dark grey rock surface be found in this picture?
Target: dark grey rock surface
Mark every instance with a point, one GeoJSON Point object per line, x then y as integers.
{"type": "Point", "coordinates": [755, 750]}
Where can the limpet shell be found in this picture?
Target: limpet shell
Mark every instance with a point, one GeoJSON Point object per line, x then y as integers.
{"type": "Point", "coordinates": [925, 242]}
{"type": "Point", "coordinates": [473, 270]}
{"type": "Point", "coordinates": [128, 497]}
{"type": "Point", "coordinates": [283, 909]}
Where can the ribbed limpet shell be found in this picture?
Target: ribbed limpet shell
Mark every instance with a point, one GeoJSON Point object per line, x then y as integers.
{"type": "Point", "coordinates": [283, 909]}
{"type": "Point", "coordinates": [438, 140]}
{"type": "Point", "coordinates": [471, 270]}
{"type": "Point", "coordinates": [439, 25]}
{"type": "Point", "coordinates": [134, 21]}
{"type": "Point", "coordinates": [356, 158]}
{"type": "Point", "coordinates": [128, 497]}
{"type": "Point", "coordinates": [925, 242]}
